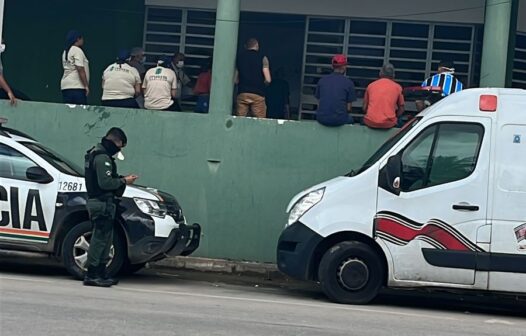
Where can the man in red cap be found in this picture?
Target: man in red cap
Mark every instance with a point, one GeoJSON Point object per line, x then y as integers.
{"type": "Point", "coordinates": [335, 93]}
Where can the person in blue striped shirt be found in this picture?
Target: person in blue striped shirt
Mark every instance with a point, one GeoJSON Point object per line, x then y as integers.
{"type": "Point", "coordinates": [444, 79]}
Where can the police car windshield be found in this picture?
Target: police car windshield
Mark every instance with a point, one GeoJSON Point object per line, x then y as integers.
{"type": "Point", "coordinates": [56, 160]}
{"type": "Point", "coordinates": [386, 146]}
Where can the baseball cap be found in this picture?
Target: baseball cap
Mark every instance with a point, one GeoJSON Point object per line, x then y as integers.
{"type": "Point", "coordinates": [164, 61]}
{"type": "Point", "coordinates": [123, 55]}
{"type": "Point", "coordinates": [339, 60]}
{"type": "Point", "coordinates": [450, 65]}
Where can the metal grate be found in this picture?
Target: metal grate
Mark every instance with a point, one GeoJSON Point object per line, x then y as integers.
{"type": "Point", "coordinates": [169, 30]}
{"type": "Point", "coordinates": [324, 37]}
{"type": "Point", "coordinates": [519, 64]}
{"type": "Point", "coordinates": [413, 48]}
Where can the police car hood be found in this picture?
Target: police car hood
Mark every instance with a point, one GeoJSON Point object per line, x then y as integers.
{"type": "Point", "coordinates": [142, 192]}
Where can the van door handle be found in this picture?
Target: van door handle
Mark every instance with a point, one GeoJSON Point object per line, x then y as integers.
{"type": "Point", "coordinates": [465, 207]}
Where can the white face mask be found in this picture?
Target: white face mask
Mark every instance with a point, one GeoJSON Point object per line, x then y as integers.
{"type": "Point", "coordinates": [180, 64]}
{"type": "Point", "coordinates": [119, 156]}
{"type": "Point", "coordinates": [2, 48]}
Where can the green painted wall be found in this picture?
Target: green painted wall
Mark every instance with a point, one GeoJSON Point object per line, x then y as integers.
{"type": "Point", "coordinates": [34, 32]}
{"type": "Point", "coordinates": [235, 176]}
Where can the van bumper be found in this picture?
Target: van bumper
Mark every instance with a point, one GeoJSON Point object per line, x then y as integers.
{"type": "Point", "coordinates": [296, 247]}
{"type": "Point", "coordinates": [182, 241]}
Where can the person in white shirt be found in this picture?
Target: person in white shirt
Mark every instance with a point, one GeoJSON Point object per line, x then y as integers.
{"type": "Point", "coordinates": [121, 83]}
{"type": "Point", "coordinates": [3, 83]}
{"type": "Point", "coordinates": [160, 87]}
{"type": "Point", "coordinates": [75, 81]}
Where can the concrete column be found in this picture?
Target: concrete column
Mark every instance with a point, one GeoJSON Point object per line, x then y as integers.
{"type": "Point", "coordinates": [500, 25]}
{"type": "Point", "coordinates": [225, 48]}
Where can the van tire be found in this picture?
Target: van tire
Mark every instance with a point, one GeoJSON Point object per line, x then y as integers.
{"type": "Point", "coordinates": [351, 272]}
{"type": "Point", "coordinates": [85, 228]}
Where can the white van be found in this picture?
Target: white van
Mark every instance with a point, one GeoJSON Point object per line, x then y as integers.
{"type": "Point", "coordinates": [440, 204]}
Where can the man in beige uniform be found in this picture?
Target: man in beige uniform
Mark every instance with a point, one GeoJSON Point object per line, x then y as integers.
{"type": "Point", "coordinates": [121, 83]}
{"type": "Point", "coordinates": [160, 87]}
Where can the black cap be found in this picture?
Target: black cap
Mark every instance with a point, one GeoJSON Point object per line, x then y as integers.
{"type": "Point", "coordinates": [446, 64]}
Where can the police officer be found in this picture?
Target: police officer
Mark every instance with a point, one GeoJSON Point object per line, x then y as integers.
{"type": "Point", "coordinates": [103, 185]}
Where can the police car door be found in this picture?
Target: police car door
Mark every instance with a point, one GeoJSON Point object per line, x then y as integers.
{"type": "Point", "coordinates": [431, 227]}
{"type": "Point", "coordinates": [27, 201]}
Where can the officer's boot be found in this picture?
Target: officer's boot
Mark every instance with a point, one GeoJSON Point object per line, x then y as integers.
{"type": "Point", "coordinates": [106, 277]}
{"type": "Point", "coordinates": [93, 278]}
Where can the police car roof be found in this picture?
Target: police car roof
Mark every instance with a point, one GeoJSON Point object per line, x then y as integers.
{"type": "Point", "coordinates": [15, 134]}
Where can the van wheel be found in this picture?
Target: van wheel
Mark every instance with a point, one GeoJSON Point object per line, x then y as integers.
{"type": "Point", "coordinates": [75, 250]}
{"type": "Point", "coordinates": [129, 269]}
{"type": "Point", "coordinates": [351, 272]}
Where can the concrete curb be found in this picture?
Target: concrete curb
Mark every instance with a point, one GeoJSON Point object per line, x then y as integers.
{"type": "Point", "coordinates": [269, 270]}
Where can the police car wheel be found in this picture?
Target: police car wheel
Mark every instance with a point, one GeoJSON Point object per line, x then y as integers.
{"type": "Point", "coordinates": [351, 272]}
{"type": "Point", "coordinates": [75, 251]}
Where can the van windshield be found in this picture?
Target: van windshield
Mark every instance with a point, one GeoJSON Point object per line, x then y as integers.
{"type": "Point", "coordinates": [386, 146]}
{"type": "Point", "coordinates": [56, 160]}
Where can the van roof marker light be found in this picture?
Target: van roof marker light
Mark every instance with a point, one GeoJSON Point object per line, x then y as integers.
{"type": "Point", "coordinates": [488, 103]}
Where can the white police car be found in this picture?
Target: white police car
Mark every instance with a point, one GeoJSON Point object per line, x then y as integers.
{"type": "Point", "coordinates": [43, 209]}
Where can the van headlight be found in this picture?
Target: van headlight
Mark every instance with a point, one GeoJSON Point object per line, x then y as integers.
{"type": "Point", "coordinates": [304, 204]}
{"type": "Point", "coordinates": [152, 208]}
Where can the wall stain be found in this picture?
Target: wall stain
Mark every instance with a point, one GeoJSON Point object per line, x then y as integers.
{"type": "Point", "coordinates": [103, 115]}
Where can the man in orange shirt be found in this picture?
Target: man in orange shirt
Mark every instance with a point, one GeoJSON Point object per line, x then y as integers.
{"type": "Point", "coordinates": [383, 102]}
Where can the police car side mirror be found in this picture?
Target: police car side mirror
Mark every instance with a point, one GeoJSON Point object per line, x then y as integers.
{"type": "Point", "coordinates": [390, 175]}
{"type": "Point", "coordinates": [39, 175]}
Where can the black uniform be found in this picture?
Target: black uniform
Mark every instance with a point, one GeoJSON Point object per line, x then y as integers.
{"type": "Point", "coordinates": [103, 185]}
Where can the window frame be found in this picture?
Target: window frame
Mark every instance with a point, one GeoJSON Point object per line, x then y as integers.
{"type": "Point", "coordinates": [432, 151]}
{"type": "Point", "coordinates": [25, 179]}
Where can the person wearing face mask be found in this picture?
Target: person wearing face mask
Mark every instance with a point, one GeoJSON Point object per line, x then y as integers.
{"type": "Point", "coordinates": [75, 81]}
{"type": "Point", "coordinates": [121, 83]}
{"type": "Point", "coordinates": [104, 185]}
{"type": "Point", "coordinates": [3, 83]}
{"type": "Point", "coordinates": [182, 79]}
{"type": "Point", "coordinates": [137, 60]}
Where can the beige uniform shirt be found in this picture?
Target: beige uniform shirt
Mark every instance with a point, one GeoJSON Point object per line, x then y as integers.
{"type": "Point", "coordinates": [158, 84]}
{"type": "Point", "coordinates": [71, 78]}
{"type": "Point", "coordinates": [119, 82]}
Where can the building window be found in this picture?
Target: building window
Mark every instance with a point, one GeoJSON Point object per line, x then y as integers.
{"type": "Point", "coordinates": [519, 64]}
{"type": "Point", "coordinates": [414, 48]}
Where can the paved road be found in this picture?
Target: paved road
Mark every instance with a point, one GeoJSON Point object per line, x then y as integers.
{"type": "Point", "coordinates": [37, 301]}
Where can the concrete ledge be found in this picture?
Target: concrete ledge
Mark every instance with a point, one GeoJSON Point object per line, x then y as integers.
{"type": "Point", "coordinates": [270, 271]}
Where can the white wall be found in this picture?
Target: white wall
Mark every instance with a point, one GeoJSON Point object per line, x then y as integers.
{"type": "Point", "coordinates": [464, 11]}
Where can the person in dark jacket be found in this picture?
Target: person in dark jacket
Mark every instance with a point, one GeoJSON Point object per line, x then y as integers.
{"type": "Point", "coordinates": [252, 77]}
{"type": "Point", "coordinates": [103, 185]}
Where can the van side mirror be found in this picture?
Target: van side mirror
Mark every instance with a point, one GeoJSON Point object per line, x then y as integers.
{"type": "Point", "coordinates": [390, 175]}
{"type": "Point", "coordinates": [38, 175]}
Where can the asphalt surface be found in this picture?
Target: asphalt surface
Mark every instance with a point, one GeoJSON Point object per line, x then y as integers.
{"type": "Point", "coordinates": [44, 300]}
